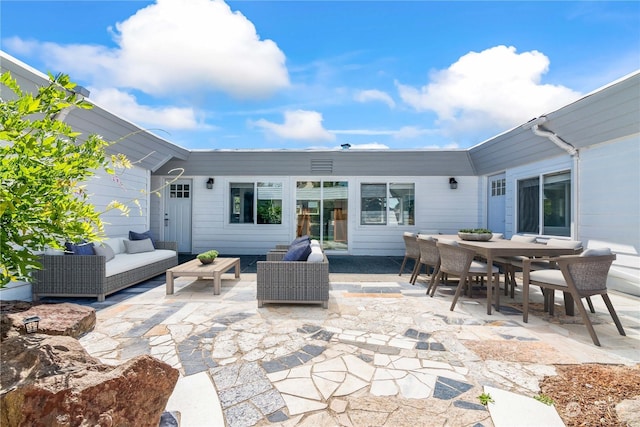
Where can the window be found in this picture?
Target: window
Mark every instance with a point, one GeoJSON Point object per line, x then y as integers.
{"type": "Point", "coordinates": [387, 204]}
{"type": "Point", "coordinates": [179, 191]}
{"type": "Point", "coordinates": [548, 211]}
{"type": "Point", "coordinates": [265, 196]}
{"type": "Point", "coordinates": [498, 187]}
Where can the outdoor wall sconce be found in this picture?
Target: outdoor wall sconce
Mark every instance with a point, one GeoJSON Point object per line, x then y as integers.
{"type": "Point", "coordinates": [31, 324]}
{"type": "Point", "coordinates": [453, 183]}
{"type": "Point", "coordinates": [210, 183]}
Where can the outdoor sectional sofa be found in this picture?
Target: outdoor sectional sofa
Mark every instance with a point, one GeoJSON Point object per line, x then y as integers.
{"type": "Point", "coordinates": [93, 276]}
{"type": "Point", "coordinates": [301, 282]}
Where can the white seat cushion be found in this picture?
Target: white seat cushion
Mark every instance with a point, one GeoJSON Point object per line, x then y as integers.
{"type": "Point", "coordinates": [554, 277]}
{"type": "Point", "coordinates": [126, 262]}
{"type": "Point", "coordinates": [478, 267]}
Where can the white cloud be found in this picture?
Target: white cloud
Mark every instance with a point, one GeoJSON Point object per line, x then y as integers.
{"type": "Point", "coordinates": [495, 88]}
{"type": "Point", "coordinates": [409, 132]}
{"type": "Point", "coordinates": [176, 46]}
{"type": "Point", "coordinates": [126, 106]}
{"type": "Point", "coordinates": [375, 95]}
{"type": "Point", "coordinates": [298, 125]}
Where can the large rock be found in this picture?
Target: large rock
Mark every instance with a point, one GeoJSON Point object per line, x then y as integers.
{"type": "Point", "coordinates": [55, 319]}
{"type": "Point", "coordinates": [52, 381]}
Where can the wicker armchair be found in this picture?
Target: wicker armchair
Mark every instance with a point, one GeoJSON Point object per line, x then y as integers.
{"type": "Point", "coordinates": [412, 251]}
{"type": "Point", "coordinates": [578, 277]}
{"type": "Point", "coordinates": [292, 281]}
{"type": "Point", "coordinates": [429, 257]}
{"type": "Point", "coordinates": [458, 261]}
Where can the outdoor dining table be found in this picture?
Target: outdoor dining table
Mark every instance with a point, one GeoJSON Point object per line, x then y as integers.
{"type": "Point", "coordinates": [494, 248]}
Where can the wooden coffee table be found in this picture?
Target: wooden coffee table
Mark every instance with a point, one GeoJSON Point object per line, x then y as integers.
{"type": "Point", "coordinates": [195, 268]}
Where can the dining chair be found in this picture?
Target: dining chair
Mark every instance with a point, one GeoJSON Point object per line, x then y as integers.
{"type": "Point", "coordinates": [411, 251]}
{"type": "Point", "coordinates": [458, 261]}
{"type": "Point", "coordinates": [508, 267]}
{"type": "Point", "coordinates": [545, 263]}
{"type": "Point", "coordinates": [578, 276]}
{"type": "Point", "coordinates": [429, 257]}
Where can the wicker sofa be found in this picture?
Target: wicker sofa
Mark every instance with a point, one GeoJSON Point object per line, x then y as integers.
{"type": "Point", "coordinates": [93, 276]}
{"type": "Point", "coordinates": [298, 282]}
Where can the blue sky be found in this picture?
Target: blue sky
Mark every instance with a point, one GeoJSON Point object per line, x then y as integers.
{"type": "Point", "coordinates": [206, 74]}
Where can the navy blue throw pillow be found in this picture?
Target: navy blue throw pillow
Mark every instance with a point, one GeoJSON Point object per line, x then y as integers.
{"type": "Point", "coordinates": [80, 249]}
{"type": "Point", "coordinates": [141, 236]}
{"type": "Point", "coordinates": [299, 252]}
{"type": "Point", "coordinates": [297, 240]}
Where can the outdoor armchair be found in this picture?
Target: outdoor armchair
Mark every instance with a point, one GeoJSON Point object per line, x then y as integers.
{"type": "Point", "coordinates": [412, 251]}
{"type": "Point", "coordinates": [429, 257]}
{"type": "Point", "coordinates": [458, 261]}
{"type": "Point", "coordinates": [578, 276]}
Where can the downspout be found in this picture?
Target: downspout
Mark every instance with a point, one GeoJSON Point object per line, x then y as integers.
{"type": "Point", "coordinates": [535, 128]}
{"type": "Point", "coordinates": [573, 152]}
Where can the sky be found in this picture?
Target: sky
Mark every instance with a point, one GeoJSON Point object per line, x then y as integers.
{"type": "Point", "coordinates": [297, 74]}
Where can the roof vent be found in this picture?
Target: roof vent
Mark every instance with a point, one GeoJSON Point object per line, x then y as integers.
{"type": "Point", "coordinates": [322, 165]}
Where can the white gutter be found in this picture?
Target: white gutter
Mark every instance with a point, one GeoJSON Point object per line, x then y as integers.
{"type": "Point", "coordinates": [536, 129]}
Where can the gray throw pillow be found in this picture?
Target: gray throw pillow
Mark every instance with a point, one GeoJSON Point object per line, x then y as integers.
{"type": "Point", "coordinates": [138, 246]}
{"type": "Point", "coordinates": [104, 250]}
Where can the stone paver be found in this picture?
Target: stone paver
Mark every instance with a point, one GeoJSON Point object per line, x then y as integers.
{"type": "Point", "coordinates": [367, 360]}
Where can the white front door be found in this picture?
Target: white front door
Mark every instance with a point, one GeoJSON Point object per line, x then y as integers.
{"type": "Point", "coordinates": [177, 214]}
{"type": "Point", "coordinates": [496, 203]}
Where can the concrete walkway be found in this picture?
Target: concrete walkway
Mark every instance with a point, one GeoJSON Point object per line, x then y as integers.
{"type": "Point", "coordinates": [382, 354]}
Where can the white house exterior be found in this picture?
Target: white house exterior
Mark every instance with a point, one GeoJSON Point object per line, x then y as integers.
{"type": "Point", "coordinates": [573, 172]}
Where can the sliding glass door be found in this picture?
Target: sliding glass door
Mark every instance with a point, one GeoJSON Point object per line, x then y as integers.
{"type": "Point", "coordinates": [321, 212]}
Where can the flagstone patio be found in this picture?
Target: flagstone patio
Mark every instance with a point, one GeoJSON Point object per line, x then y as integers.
{"type": "Point", "coordinates": [382, 354]}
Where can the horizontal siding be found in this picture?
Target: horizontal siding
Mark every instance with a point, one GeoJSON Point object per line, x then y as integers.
{"type": "Point", "coordinates": [609, 186]}
{"type": "Point", "coordinates": [133, 185]}
{"type": "Point", "coordinates": [437, 207]}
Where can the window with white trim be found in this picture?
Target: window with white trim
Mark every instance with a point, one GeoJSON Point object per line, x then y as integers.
{"type": "Point", "coordinates": [387, 204]}
{"type": "Point", "coordinates": [545, 209]}
{"type": "Point", "coordinates": [255, 203]}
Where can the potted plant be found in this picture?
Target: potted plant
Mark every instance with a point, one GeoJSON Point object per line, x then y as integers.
{"type": "Point", "coordinates": [478, 234]}
{"type": "Point", "coordinates": [208, 257]}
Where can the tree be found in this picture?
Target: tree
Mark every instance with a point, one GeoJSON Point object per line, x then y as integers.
{"type": "Point", "coordinates": [43, 165]}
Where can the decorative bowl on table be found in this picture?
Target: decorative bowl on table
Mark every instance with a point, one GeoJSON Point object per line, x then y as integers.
{"type": "Point", "coordinates": [475, 234]}
{"type": "Point", "coordinates": [208, 257]}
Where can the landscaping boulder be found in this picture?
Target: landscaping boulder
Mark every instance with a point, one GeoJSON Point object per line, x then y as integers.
{"type": "Point", "coordinates": [52, 381]}
{"type": "Point", "coordinates": [55, 319]}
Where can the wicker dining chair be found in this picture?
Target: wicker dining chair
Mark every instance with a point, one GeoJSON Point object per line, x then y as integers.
{"type": "Point", "coordinates": [508, 265]}
{"type": "Point", "coordinates": [579, 276]}
{"type": "Point", "coordinates": [458, 261]}
{"type": "Point", "coordinates": [411, 251]}
{"type": "Point", "coordinates": [429, 257]}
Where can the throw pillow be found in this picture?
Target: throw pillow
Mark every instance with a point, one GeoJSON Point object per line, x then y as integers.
{"type": "Point", "coordinates": [104, 250]}
{"type": "Point", "coordinates": [297, 240]}
{"type": "Point", "coordinates": [316, 254]}
{"type": "Point", "coordinates": [141, 236]}
{"type": "Point", "coordinates": [299, 252]}
{"type": "Point", "coordinates": [138, 246]}
{"type": "Point", "coordinates": [80, 248]}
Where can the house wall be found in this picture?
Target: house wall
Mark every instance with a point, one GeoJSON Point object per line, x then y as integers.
{"type": "Point", "coordinates": [126, 187]}
{"type": "Point", "coordinates": [436, 207]}
{"type": "Point", "coordinates": [606, 203]}
{"type": "Point", "coordinates": [609, 206]}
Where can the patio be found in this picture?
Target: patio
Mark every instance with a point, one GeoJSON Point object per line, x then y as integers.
{"type": "Point", "coordinates": [383, 354]}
